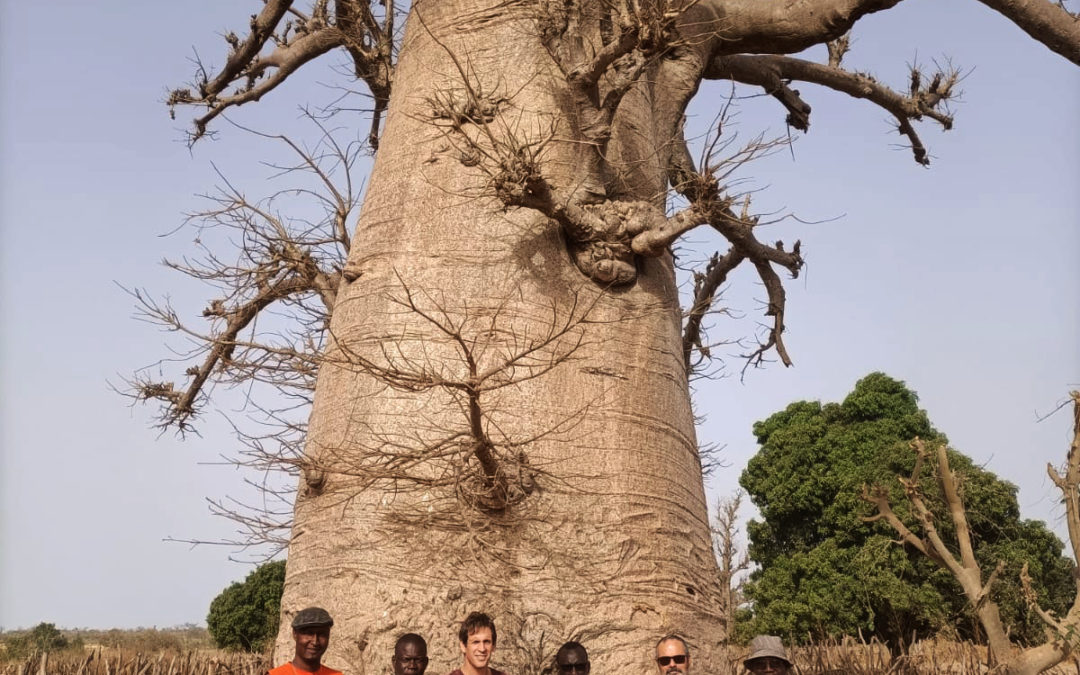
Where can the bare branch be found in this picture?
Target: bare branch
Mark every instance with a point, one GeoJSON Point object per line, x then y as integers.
{"type": "Point", "coordinates": [286, 263]}
{"type": "Point", "coordinates": [254, 74]}
{"type": "Point", "coordinates": [966, 570]}
{"type": "Point", "coordinates": [774, 72]}
{"type": "Point", "coordinates": [705, 286]}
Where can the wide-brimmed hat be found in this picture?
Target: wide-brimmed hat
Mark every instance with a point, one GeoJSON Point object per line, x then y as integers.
{"type": "Point", "coordinates": [763, 646]}
{"type": "Point", "coordinates": [312, 617]}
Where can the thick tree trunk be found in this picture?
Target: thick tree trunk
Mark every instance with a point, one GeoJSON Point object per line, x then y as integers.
{"type": "Point", "coordinates": [605, 537]}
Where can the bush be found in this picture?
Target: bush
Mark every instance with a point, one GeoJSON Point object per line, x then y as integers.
{"type": "Point", "coordinates": [245, 615]}
{"type": "Point", "coordinates": [825, 571]}
{"type": "Point", "coordinates": [44, 637]}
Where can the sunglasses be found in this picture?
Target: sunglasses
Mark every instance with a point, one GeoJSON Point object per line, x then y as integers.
{"type": "Point", "coordinates": [666, 660]}
{"type": "Point", "coordinates": [766, 663]}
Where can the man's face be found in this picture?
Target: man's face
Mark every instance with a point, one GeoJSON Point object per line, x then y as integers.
{"type": "Point", "coordinates": [478, 648]}
{"type": "Point", "coordinates": [410, 658]}
{"type": "Point", "coordinates": [573, 661]}
{"type": "Point", "coordinates": [311, 642]}
{"type": "Point", "coordinates": [768, 665]}
{"type": "Point", "coordinates": [671, 658]}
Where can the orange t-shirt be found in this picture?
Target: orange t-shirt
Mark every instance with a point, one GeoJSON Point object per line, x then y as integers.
{"type": "Point", "coordinates": [290, 669]}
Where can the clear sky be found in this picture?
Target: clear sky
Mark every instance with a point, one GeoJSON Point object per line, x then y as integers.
{"type": "Point", "coordinates": [961, 279]}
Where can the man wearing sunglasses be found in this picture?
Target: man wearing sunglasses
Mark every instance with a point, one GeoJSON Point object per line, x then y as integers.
{"type": "Point", "coordinates": [767, 656]}
{"type": "Point", "coordinates": [572, 659]}
{"type": "Point", "coordinates": [410, 655]}
{"type": "Point", "coordinates": [672, 655]}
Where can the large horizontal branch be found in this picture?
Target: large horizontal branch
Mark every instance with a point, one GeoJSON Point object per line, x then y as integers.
{"type": "Point", "coordinates": [773, 73]}
{"type": "Point", "coordinates": [781, 26]}
{"type": "Point", "coordinates": [790, 26]}
{"type": "Point", "coordinates": [1047, 22]}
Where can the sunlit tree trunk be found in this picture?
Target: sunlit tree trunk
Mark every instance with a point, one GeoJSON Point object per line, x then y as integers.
{"type": "Point", "coordinates": [601, 533]}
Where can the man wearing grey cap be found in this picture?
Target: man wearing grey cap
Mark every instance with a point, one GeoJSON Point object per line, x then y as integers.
{"type": "Point", "coordinates": [767, 655]}
{"type": "Point", "coordinates": [311, 631]}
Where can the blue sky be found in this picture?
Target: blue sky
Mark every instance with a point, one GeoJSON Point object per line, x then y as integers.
{"type": "Point", "coordinates": [960, 279]}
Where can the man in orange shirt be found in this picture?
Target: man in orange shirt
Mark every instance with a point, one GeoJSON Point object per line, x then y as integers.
{"type": "Point", "coordinates": [477, 636]}
{"type": "Point", "coordinates": [311, 631]}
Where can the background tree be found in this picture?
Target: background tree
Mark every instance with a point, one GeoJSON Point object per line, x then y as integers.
{"type": "Point", "coordinates": [245, 615]}
{"type": "Point", "coordinates": [502, 416]}
{"type": "Point", "coordinates": [825, 571]}
{"type": "Point", "coordinates": [733, 558]}
{"type": "Point", "coordinates": [44, 637]}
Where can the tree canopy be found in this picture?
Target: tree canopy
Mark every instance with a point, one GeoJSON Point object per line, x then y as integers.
{"type": "Point", "coordinates": [44, 637]}
{"type": "Point", "coordinates": [245, 615]}
{"type": "Point", "coordinates": [826, 571]}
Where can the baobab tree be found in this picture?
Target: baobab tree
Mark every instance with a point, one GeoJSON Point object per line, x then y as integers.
{"type": "Point", "coordinates": [502, 417]}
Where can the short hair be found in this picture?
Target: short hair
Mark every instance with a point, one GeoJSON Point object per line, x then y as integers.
{"type": "Point", "coordinates": [571, 645]}
{"type": "Point", "coordinates": [673, 636]}
{"type": "Point", "coordinates": [474, 622]}
{"type": "Point", "coordinates": [410, 638]}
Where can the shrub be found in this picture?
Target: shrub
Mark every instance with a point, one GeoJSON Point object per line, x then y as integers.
{"type": "Point", "coordinates": [245, 615]}
{"type": "Point", "coordinates": [44, 637]}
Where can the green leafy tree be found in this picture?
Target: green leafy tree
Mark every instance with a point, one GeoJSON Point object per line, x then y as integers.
{"type": "Point", "coordinates": [245, 615]}
{"type": "Point", "coordinates": [44, 637]}
{"type": "Point", "coordinates": [826, 571]}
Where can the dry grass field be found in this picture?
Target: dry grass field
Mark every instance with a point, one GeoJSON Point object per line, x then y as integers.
{"type": "Point", "coordinates": [118, 661]}
{"type": "Point", "coordinates": [926, 658]}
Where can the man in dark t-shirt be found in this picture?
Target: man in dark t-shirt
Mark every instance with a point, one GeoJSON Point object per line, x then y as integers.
{"type": "Point", "coordinates": [477, 637]}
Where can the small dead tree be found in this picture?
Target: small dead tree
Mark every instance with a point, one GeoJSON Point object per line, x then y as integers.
{"type": "Point", "coordinates": [733, 562]}
{"type": "Point", "coordinates": [1061, 632]}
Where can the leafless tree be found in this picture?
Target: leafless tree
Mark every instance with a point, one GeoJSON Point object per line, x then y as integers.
{"type": "Point", "coordinates": [732, 558]}
{"type": "Point", "coordinates": [1061, 632]}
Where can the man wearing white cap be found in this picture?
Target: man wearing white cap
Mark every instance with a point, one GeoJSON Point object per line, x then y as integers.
{"type": "Point", "coordinates": [767, 655]}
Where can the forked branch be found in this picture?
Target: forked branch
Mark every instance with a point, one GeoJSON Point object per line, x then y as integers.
{"type": "Point", "coordinates": [465, 355]}
{"type": "Point", "coordinates": [296, 39]}
{"type": "Point", "coordinates": [290, 264]}
{"type": "Point", "coordinates": [1063, 633]}
{"type": "Point", "coordinates": [926, 96]}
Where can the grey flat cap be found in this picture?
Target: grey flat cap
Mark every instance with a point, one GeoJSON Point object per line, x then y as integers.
{"type": "Point", "coordinates": [312, 617]}
{"type": "Point", "coordinates": [764, 646]}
